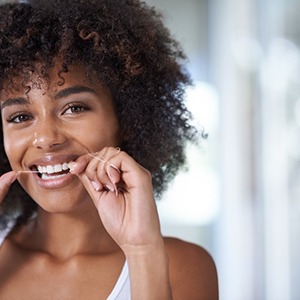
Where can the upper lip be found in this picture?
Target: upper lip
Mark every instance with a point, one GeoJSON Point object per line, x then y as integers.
{"type": "Point", "coordinates": [52, 160]}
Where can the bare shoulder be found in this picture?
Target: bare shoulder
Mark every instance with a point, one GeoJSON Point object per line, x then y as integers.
{"type": "Point", "coordinates": [193, 272]}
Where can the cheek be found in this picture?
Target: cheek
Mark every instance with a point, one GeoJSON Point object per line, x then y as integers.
{"type": "Point", "coordinates": [98, 134]}
{"type": "Point", "coordinates": [13, 146]}
{"type": "Point", "coordinates": [10, 149]}
{"type": "Point", "coordinates": [96, 140]}
{"type": "Point", "coordinates": [8, 143]}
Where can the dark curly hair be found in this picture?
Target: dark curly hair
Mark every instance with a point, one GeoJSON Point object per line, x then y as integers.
{"type": "Point", "coordinates": [122, 43]}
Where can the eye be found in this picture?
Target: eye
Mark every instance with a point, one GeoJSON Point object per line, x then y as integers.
{"type": "Point", "coordinates": [19, 118]}
{"type": "Point", "coordinates": [76, 108]}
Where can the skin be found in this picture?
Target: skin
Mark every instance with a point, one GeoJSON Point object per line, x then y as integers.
{"type": "Point", "coordinates": [94, 218]}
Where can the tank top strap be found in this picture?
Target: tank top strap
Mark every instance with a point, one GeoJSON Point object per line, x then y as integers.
{"type": "Point", "coordinates": [121, 290]}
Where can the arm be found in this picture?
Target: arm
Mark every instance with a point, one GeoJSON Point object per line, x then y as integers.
{"type": "Point", "coordinates": [193, 272]}
{"type": "Point", "coordinates": [149, 273]}
{"type": "Point", "coordinates": [122, 192]}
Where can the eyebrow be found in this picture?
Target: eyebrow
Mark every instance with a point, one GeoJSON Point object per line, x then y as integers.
{"type": "Point", "coordinates": [14, 101]}
{"type": "Point", "coordinates": [73, 90]}
{"type": "Point", "coordinates": [61, 94]}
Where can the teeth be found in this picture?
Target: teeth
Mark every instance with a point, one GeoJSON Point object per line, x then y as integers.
{"type": "Point", "coordinates": [41, 169]}
{"type": "Point", "coordinates": [65, 166]}
{"type": "Point", "coordinates": [49, 177]}
{"type": "Point", "coordinates": [53, 169]}
{"type": "Point", "coordinates": [57, 168]}
{"type": "Point", "coordinates": [50, 169]}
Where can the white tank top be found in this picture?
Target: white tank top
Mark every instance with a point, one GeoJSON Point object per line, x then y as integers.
{"type": "Point", "coordinates": [121, 290]}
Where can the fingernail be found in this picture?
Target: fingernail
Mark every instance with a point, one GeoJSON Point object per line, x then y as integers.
{"type": "Point", "coordinates": [112, 179]}
{"type": "Point", "coordinates": [109, 174]}
{"type": "Point", "coordinates": [110, 187]}
{"type": "Point", "coordinates": [95, 185]}
{"type": "Point", "coordinates": [71, 165]}
{"type": "Point", "coordinates": [114, 167]}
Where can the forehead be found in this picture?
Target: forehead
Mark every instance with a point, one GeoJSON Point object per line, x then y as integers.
{"type": "Point", "coordinates": [50, 83]}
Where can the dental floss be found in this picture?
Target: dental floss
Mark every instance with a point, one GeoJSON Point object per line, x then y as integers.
{"type": "Point", "coordinates": [27, 172]}
{"type": "Point", "coordinates": [105, 161]}
{"type": "Point", "coordinates": [111, 165]}
{"type": "Point", "coordinates": [102, 160]}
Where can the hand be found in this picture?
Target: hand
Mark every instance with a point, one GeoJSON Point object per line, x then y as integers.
{"type": "Point", "coordinates": [122, 192]}
{"type": "Point", "coordinates": [5, 182]}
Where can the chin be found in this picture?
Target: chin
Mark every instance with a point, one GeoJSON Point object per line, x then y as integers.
{"type": "Point", "coordinates": [61, 202]}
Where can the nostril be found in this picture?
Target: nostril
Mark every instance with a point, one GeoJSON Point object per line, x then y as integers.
{"type": "Point", "coordinates": [47, 135]}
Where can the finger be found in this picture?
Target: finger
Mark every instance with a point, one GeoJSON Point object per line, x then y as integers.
{"type": "Point", "coordinates": [96, 172]}
{"type": "Point", "coordinates": [113, 173]}
{"type": "Point", "coordinates": [96, 176]}
{"type": "Point", "coordinates": [78, 166]}
{"type": "Point", "coordinates": [123, 167]}
{"type": "Point", "coordinates": [89, 165]}
{"type": "Point", "coordinates": [5, 182]}
{"type": "Point", "coordinates": [100, 169]}
{"type": "Point", "coordinates": [93, 190]}
{"type": "Point", "coordinates": [95, 167]}
{"type": "Point", "coordinates": [81, 162]}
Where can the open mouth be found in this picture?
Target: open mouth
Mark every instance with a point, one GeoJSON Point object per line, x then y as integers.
{"type": "Point", "coordinates": [52, 171]}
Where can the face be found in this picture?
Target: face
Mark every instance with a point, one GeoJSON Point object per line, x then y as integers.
{"type": "Point", "coordinates": [52, 125]}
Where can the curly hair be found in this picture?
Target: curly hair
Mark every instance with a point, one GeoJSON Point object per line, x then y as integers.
{"type": "Point", "coordinates": [122, 43]}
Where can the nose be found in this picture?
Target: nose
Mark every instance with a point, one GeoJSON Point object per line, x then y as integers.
{"type": "Point", "coordinates": [47, 134]}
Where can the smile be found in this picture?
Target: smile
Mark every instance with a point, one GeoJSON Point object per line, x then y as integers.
{"type": "Point", "coordinates": [53, 171]}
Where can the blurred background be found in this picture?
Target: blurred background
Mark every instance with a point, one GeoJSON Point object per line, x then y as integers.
{"type": "Point", "coordinates": [241, 197]}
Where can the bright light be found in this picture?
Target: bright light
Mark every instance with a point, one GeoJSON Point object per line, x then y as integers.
{"type": "Point", "coordinates": [193, 198]}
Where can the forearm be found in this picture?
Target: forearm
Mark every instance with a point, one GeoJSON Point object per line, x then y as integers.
{"type": "Point", "coordinates": [149, 273]}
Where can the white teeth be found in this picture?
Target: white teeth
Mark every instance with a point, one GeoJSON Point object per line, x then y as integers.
{"type": "Point", "coordinates": [53, 169]}
{"type": "Point", "coordinates": [65, 166]}
{"type": "Point", "coordinates": [57, 168]}
{"type": "Point", "coordinates": [40, 169]}
{"type": "Point", "coordinates": [50, 169]}
{"type": "Point", "coordinates": [49, 177]}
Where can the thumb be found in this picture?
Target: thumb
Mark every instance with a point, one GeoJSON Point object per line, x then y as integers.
{"type": "Point", "coordinates": [5, 182]}
{"type": "Point", "coordinates": [78, 166]}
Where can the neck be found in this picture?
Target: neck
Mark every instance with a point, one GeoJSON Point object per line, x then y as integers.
{"type": "Point", "coordinates": [66, 235]}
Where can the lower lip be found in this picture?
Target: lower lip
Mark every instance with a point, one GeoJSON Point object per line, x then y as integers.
{"type": "Point", "coordinates": [54, 182]}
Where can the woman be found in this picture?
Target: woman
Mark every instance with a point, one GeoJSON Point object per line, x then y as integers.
{"type": "Point", "coordinates": [94, 128]}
